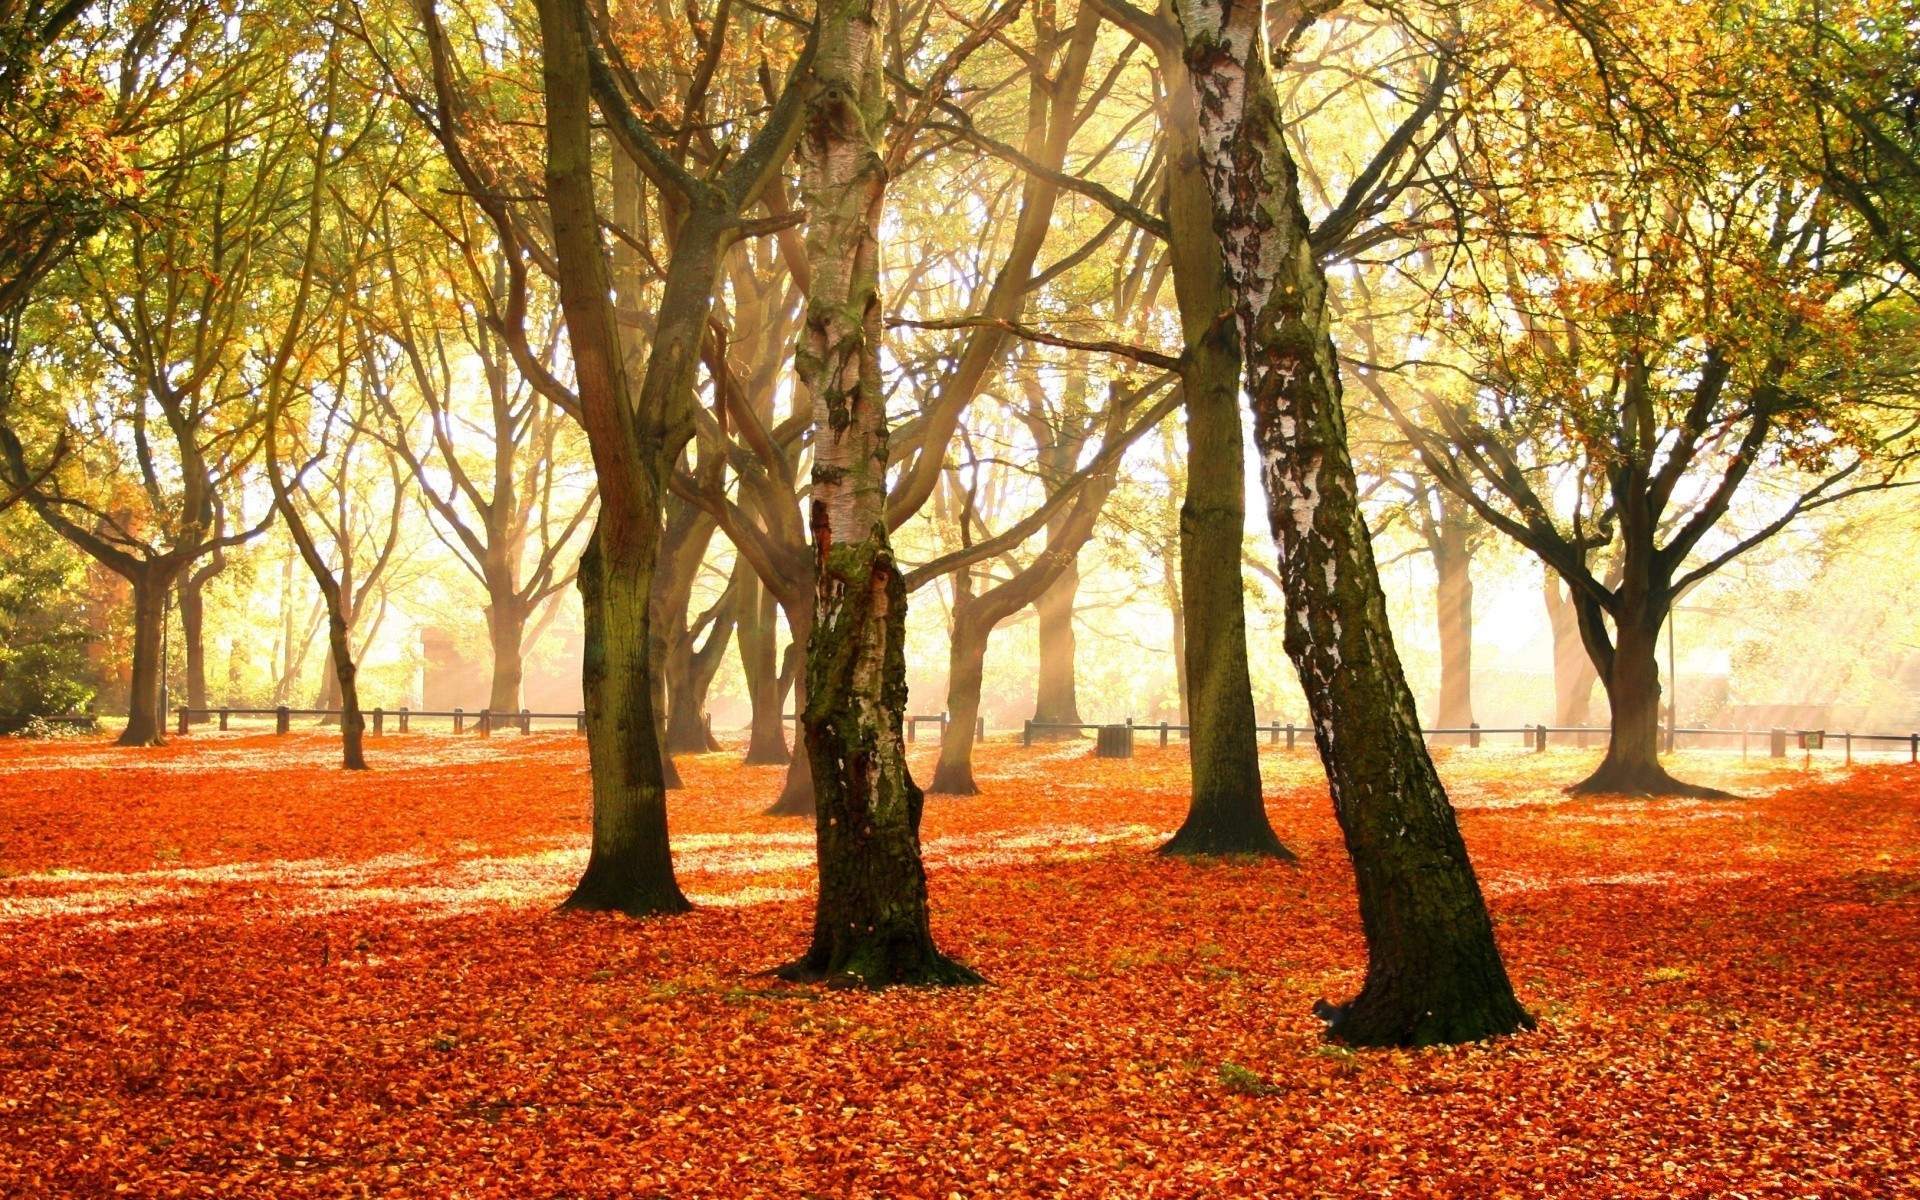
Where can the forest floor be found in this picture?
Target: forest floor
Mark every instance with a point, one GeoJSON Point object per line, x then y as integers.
{"type": "Point", "coordinates": [227, 968]}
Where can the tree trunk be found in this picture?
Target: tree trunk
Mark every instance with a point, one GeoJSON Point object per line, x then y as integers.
{"type": "Point", "coordinates": [760, 662]}
{"type": "Point", "coordinates": [506, 634]}
{"type": "Point", "coordinates": [1056, 698]}
{"type": "Point", "coordinates": [636, 442]}
{"type": "Point", "coordinates": [966, 668]}
{"type": "Point", "coordinates": [345, 673]}
{"type": "Point", "coordinates": [1433, 968]}
{"type": "Point", "coordinates": [1453, 566]}
{"type": "Point", "coordinates": [796, 797]}
{"type": "Point", "coordinates": [871, 925]}
{"type": "Point", "coordinates": [692, 677]}
{"type": "Point", "coordinates": [146, 720]}
{"type": "Point", "coordinates": [194, 641]}
{"type": "Point", "coordinates": [1228, 813]}
{"type": "Point", "coordinates": [1573, 673]}
{"type": "Point", "coordinates": [630, 868]}
{"type": "Point", "coordinates": [1632, 678]}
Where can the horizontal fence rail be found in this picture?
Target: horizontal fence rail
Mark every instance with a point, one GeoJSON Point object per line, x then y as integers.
{"type": "Point", "coordinates": [1533, 736]}
{"type": "Point", "coordinates": [485, 721]}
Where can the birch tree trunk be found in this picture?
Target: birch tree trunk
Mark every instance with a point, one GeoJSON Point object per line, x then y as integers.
{"type": "Point", "coordinates": [1434, 973]}
{"type": "Point", "coordinates": [871, 926]}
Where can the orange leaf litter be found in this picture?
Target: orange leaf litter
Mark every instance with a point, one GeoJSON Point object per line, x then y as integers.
{"type": "Point", "coordinates": [228, 969]}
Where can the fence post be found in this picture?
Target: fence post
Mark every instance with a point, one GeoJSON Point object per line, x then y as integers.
{"type": "Point", "coordinates": [459, 720]}
{"type": "Point", "coordinates": [1289, 734]}
{"type": "Point", "coordinates": [223, 720]}
{"type": "Point", "coordinates": [486, 722]}
{"type": "Point", "coordinates": [526, 722]}
{"type": "Point", "coordinates": [1776, 743]}
{"type": "Point", "coordinates": [403, 720]}
{"type": "Point", "coordinates": [979, 729]}
{"type": "Point", "coordinates": [1539, 739]}
{"type": "Point", "coordinates": [1846, 739]}
{"type": "Point", "coordinates": [379, 721]}
{"type": "Point", "coordinates": [580, 721]}
{"type": "Point", "coordinates": [282, 719]}
{"type": "Point", "coordinates": [1026, 733]}
{"type": "Point", "coordinates": [1913, 748]}
{"type": "Point", "coordinates": [1743, 743]}
{"type": "Point", "coordinates": [1473, 735]}
{"type": "Point", "coordinates": [913, 727]}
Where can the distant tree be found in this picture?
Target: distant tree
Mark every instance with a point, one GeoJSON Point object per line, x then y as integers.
{"type": "Point", "coordinates": [1678, 341]}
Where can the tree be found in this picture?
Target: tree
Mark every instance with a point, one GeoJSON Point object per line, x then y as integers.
{"type": "Point", "coordinates": [1433, 969]}
{"type": "Point", "coordinates": [871, 926]}
{"type": "Point", "coordinates": [636, 438]}
{"type": "Point", "coordinates": [1653, 310]}
{"type": "Point", "coordinates": [152, 449]}
{"type": "Point", "coordinates": [499, 476]}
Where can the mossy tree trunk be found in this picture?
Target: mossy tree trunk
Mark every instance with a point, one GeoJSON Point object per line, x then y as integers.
{"type": "Point", "coordinates": [1228, 813]}
{"type": "Point", "coordinates": [1434, 973]}
{"type": "Point", "coordinates": [871, 926]}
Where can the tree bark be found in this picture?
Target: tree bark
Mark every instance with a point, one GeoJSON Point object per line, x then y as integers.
{"type": "Point", "coordinates": [146, 722]}
{"type": "Point", "coordinates": [797, 797]}
{"type": "Point", "coordinates": [1228, 813]}
{"type": "Point", "coordinates": [1434, 973]}
{"type": "Point", "coordinates": [871, 925]}
{"type": "Point", "coordinates": [1632, 679]}
{"type": "Point", "coordinates": [760, 662]}
{"type": "Point", "coordinates": [630, 867]}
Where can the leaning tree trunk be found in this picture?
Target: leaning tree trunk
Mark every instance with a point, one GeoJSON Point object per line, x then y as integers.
{"type": "Point", "coordinates": [966, 670]}
{"type": "Point", "coordinates": [1056, 699]}
{"type": "Point", "coordinates": [1453, 568]}
{"type": "Point", "coordinates": [146, 721]}
{"type": "Point", "coordinates": [1228, 813]}
{"type": "Point", "coordinates": [1434, 972]}
{"type": "Point", "coordinates": [760, 663]}
{"type": "Point", "coordinates": [871, 925]}
{"type": "Point", "coordinates": [346, 675]}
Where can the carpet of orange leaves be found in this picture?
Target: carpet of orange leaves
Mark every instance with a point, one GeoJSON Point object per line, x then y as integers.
{"type": "Point", "coordinates": [226, 968]}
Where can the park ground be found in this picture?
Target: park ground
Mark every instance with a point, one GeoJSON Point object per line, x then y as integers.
{"type": "Point", "coordinates": [229, 969]}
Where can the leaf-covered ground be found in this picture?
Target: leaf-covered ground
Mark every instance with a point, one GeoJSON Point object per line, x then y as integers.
{"type": "Point", "coordinates": [226, 968]}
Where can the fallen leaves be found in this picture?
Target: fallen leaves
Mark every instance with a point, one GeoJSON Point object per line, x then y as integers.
{"type": "Point", "coordinates": [381, 1000]}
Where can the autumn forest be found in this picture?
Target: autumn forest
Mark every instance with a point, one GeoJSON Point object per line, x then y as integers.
{"type": "Point", "coordinates": [1006, 597]}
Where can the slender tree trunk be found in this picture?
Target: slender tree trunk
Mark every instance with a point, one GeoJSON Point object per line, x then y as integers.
{"type": "Point", "coordinates": [146, 723]}
{"type": "Point", "coordinates": [506, 634]}
{"type": "Point", "coordinates": [871, 926]}
{"type": "Point", "coordinates": [1434, 972]}
{"type": "Point", "coordinates": [796, 797]}
{"type": "Point", "coordinates": [692, 677]}
{"type": "Point", "coordinates": [193, 640]}
{"type": "Point", "coordinates": [966, 668]}
{"type": "Point", "coordinates": [1573, 673]}
{"type": "Point", "coordinates": [1228, 813]}
{"type": "Point", "coordinates": [1453, 567]}
{"type": "Point", "coordinates": [346, 675]}
{"type": "Point", "coordinates": [760, 662]}
{"type": "Point", "coordinates": [1056, 694]}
